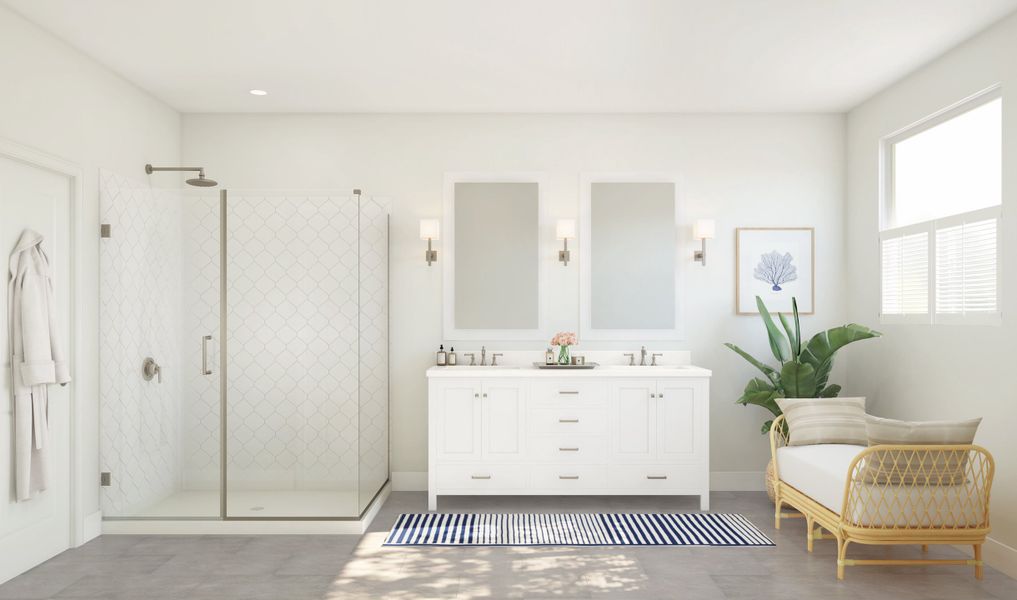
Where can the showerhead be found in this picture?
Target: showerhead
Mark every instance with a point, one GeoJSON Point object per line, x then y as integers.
{"type": "Point", "coordinates": [199, 181]}
{"type": "Point", "coordinates": [202, 181]}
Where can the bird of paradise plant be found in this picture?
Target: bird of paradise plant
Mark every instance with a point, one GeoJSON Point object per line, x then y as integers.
{"type": "Point", "coordinates": [804, 370]}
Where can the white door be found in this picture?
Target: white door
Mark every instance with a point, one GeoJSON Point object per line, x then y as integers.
{"type": "Point", "coordinates": [503, 410]}
{"type": "Point", "coordinates": [633, 407]}
{"type": "Point", "coordinates": [458, 420]}
{"type": "Point", "coordinates": [35, 530]}
{"type": "Point", "coordinates": [678, 419]}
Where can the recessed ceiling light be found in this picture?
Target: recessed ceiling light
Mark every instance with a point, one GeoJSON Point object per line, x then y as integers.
{"type": "Point", "coordinates": [259, 92]}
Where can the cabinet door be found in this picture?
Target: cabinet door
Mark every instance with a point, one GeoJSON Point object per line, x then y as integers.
{"type": "Point", "coordinates": [633, 407]}
{"type": "Point", "coordinates": [679, 421]}
{"type": "Point", "coordinates": [458, 420]}
{"type": "Point", "coordinates": [503, 405]}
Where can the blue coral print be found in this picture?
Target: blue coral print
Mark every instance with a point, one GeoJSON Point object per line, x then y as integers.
{"type": "Point", "coordinates": [776, 268]}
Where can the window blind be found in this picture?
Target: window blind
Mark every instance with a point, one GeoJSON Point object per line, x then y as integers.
{"type": "Point", "coordinates": [942, 271]}
{"type": "Point", "coordinates": [966, 268]}
{"type": "Point", "coordinates": [905, 274]}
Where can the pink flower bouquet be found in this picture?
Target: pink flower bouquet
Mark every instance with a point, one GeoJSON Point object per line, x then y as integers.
{"type": "Point", "coordinates": [564, 339]}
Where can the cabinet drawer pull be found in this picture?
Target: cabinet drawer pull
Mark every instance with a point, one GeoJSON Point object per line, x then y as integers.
{"type": "Point", "coordinates": [571, 392]}
{"type": "Point", "coordinates": [568, 477]}
{"type": "Point", "coordinates": [568, 420]}
{"type": "Point", "coordinates": [480, 476]}
{"type": "Point", "coordinates": [576, 449]}
{"type": "Point", "coordinates": [656, 476]}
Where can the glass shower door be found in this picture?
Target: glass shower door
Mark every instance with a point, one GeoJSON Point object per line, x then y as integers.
{"type": "Point", "coordinates": [292, 347]}
{"type": "Point", "coordinates": [158, 291]}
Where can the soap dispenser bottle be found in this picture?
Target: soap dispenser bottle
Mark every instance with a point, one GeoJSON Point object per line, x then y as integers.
{"type": "Point", "coordinates": [549, 357]}
{"type": "Point", "coordinates": [442, 356]}
{"type": "Point", "coordinates": [451, 359]}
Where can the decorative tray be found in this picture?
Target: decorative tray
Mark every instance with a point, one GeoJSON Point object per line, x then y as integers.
{"type": "Point", "coordinates": [589, 365]}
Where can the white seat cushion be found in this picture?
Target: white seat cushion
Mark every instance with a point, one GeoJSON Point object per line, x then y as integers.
{"type": "Point", "coordinates": [820, 471]}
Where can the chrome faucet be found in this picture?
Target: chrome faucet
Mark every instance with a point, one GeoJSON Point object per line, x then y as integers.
{"type": "Point", "coordinates": [642, 356]}
{"type": "Point", "coordinates": [632, 358]}
{"type": "Point", "coordinates": [473, 357]}
{"type": "Point", "coordinates": [483, 356]}
{"type": "Point", "coordinates": [494, 358]}
{"type": "Point", "coordinates": [653, 363]}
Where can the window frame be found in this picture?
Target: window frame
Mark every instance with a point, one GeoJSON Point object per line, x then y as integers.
{"type": "Point", "coordinates": [888, 228]}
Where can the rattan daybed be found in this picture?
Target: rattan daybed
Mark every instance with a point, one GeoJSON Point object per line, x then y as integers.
{"type": "Point", "coordinates": [886, 494]}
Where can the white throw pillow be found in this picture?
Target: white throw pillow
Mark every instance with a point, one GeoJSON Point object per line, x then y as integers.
{"type": "Point", "coordinates": [824, 420]}
{"type": "Point", "coordinates": [918, 467]}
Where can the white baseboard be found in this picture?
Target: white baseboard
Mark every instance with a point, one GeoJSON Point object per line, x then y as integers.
{"type": "Point", "coordinates": [92, 527]}
{"type": "Point", "coordinates": [720, 481]}
{"type": "Point", "coordinates": [409, 481]}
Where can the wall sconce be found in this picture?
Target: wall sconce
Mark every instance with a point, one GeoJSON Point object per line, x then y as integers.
{"type": "Point", "coordinates": [565, 231]}
{"type": "Point", "coordinates": [704, 229]}
{"type": "Point", "coordinates": [429, 229]}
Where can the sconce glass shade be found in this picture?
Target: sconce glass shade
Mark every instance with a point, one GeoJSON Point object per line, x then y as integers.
{"type": "Point", "coordinates": [429, 229]}
{"type": "Point", "coordinates": [704, 229]}
{"type": "Point", "coordinates": [565, 229]}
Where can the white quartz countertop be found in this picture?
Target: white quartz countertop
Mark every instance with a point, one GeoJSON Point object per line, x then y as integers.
{"type": "Point", "coordinates": [600, 371]}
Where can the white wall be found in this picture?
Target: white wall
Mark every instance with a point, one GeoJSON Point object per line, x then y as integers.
{"type": "Point", "coordinates": [59, 101]}
{"type": "Point", "coordinates": [940, 372]}
{"type": "Point", "coordinates": [740, 170]}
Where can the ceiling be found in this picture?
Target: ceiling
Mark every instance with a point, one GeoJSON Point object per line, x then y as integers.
{"type": "Point", "coordinates": [513, 55]}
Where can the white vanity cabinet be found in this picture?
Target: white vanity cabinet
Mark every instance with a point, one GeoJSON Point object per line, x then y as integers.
{"type": "Point", "coordinates": [609, 431]}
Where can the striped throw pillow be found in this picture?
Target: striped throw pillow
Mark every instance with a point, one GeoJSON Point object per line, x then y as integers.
{"type": "Point", "coordinates": [918, 467]}
{"type": "Point", "coordinates": [824, 420]}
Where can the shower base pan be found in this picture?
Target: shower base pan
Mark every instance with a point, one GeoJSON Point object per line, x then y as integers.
{"type": "Point", "coordinates": [250, 512]}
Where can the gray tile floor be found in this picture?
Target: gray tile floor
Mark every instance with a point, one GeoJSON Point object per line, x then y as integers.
{"type": "Point", "coordinates": [353, 567]}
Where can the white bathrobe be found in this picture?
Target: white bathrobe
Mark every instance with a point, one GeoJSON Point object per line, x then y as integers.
{"type": "Point", "coordinates": [37, 359]}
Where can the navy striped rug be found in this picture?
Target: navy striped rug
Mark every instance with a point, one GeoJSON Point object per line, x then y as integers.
{"type": "Point", "coordinates": [572, 529]}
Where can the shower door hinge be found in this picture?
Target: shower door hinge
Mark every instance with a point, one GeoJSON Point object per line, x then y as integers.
{"type": "Point", "coordinates": [105, 479]}
{"type": "Point", "coordinates": [104, 230]}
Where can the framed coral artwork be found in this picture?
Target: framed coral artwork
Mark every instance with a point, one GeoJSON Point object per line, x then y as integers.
{"type": "Point", "coordinates": [776, 264]}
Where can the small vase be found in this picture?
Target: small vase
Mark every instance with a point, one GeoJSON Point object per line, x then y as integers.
{"type": "Point", "coordinates": [563, 355]}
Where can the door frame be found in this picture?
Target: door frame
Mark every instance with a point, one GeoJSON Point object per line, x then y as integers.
{"type": "Point", "coordinates": [72, 171]}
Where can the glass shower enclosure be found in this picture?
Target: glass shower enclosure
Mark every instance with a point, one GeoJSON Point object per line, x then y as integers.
{"type": "Point", "coordinates": [264, 320]}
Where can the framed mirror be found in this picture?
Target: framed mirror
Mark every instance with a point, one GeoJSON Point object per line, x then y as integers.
{"type": "Point", "coordinates": [630, 267]}
{"type": "Point", "coordinates": [493, 272]}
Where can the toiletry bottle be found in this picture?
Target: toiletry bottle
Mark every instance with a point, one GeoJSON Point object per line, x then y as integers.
{"type": "Point", "coordinates": [549, 357]}
{"type": "Point", "coordinates": [451, 359]}
{"type": "Point", "coordinates": [442, 356]}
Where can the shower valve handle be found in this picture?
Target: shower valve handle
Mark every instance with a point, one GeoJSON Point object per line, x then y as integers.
{"type": "Point", "coordinates": [151, 370]}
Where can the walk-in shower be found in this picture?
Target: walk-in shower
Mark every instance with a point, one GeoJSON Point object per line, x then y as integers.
{"type": "Point", "coordinates": [267, 314]}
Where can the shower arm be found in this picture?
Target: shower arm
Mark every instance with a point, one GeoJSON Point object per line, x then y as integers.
{"type": "Point", "coordinates": [150, 169]}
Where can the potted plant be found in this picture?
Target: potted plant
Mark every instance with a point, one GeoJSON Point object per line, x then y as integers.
{"type": "Point", "coordinates": [804, 369]}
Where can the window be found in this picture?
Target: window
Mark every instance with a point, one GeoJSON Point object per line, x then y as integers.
{"type": "Point", "coordinates": [942, 189]}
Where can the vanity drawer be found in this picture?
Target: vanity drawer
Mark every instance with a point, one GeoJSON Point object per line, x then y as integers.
{"type": "Point", "coordinates": [568, 421]}
{"type": "Point", "coordinates": [656, 477]}
{"type": "Point", "coordinates": [558, 393]}
{"type": "Point", "coordinates": [568, 477]}
{"type": "Point", "coordinates": [568, 448]}
{"type": "Point", "coordinates": [481, 476]}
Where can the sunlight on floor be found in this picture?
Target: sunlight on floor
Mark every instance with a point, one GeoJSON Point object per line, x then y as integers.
{"type": "Point", "coordinates": [483, 572]}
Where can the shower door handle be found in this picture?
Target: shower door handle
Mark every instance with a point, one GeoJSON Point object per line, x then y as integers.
{"type": "Point", "coordinates": [204, 355]}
